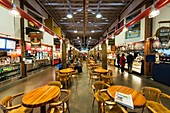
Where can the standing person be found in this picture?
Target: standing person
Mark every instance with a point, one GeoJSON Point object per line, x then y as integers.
{"type": "Point", "coordinates": [122, 62]}
{"type": "Point", "coordinates": [78, 65]}
{"type": "Point", "coordinates": [130, 59]}
{"type": "Point", "coordinates": [118, 60]}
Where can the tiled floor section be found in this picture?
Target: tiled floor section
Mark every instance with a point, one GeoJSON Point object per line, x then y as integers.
{"type": "Point", "coordinates": [81, 100]}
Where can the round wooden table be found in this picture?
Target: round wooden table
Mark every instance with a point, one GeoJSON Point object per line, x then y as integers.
{"type": "Point", "coordinates": [67, 70]}
{"type": "Point", "coordinates": [94, 64]}
{"type": "Point", "coordinates": [138, 99]}
{"type": "Point", "coordinates": [101, 71]}
{"type": "Point", "coordinates": [41, 96]}
{"type": "Point", "coordinates": [91, 61]}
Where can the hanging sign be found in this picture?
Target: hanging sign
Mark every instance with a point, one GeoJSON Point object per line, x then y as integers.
{"type": "Point", "coordinates": [35, 38]}
{"type": "Point", "coordinates": [163, 33]}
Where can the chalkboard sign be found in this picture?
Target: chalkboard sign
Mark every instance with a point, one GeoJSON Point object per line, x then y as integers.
{"type": "Point", "coordinates": [3, 53]}
{"type": "Point", "coordinates": [163, 33]}
{"type": "Point", "coordinates": [56, 41]}
{"type": "Point", "coordinates": [111, 42]}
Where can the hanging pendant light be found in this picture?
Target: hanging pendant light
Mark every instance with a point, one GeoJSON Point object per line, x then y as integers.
{"type": "Point", "coordinates": [42, 28]}
{"type": "Point", "coordinates": [14, 11]}
{"type": "Point", "coordinates": [55, 36]}
{"type": "Point", "coordinates": [75, 31]}
{"type": "Point", "coordinates": [113, 36]}
{"type": "Point", "coordinates": [98, 15]}
{"type": "Point", "coordinates": [154, 12]}
{"type": "Point", "coordinates": [69, 15]}
{"type": "Point", "coordinates": [125, 28]}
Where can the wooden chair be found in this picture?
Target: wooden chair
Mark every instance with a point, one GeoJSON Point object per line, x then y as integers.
{"type": "Point", "coordinates": [7, 106]}
{"type": "Point", "coordinates": [56, 83]}
{"type": "Point", "coordinates": [62, 105]}
{"type": "Point", "coordinates": [74, 77]}
{"type": "Point", "coordinates": [93, 76]}
{"type": "Point", "coordinates": [98, 85]}
{"type": "Point", "coordinates": [154, 98]}
{"type": "Point", "coordinates": [108, 106]}
{"type": "Point", "coordinates": [107, 79]}
{"type": "Point", "coordinates": [64, 78]}
{"type": "Point", "coordinates": [57, 72]}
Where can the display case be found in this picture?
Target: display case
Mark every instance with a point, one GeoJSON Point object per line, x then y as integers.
{"type": "Point", "coordinates": [9, 71]}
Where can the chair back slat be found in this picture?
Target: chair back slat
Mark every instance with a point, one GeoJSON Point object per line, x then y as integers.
{"type": "Point", "coordinates": [151, 93]}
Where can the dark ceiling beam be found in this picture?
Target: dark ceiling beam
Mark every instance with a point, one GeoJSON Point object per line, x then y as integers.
{"type": "Point", "coordinates": [91, 4]}
{"type": "Point", "coordinates": [93, 8]}
{"type": "Point", "coordinates": [55, 20]}
{"type": "Point", "coordinates": [82, 31]}
{"type": "Point", "coordinates": [88, 23]}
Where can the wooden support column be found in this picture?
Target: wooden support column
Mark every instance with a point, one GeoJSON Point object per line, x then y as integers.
{"type": "Point", "coordinates": [104, 55]}
{"type": "Point", "coordinates": [64, 54]}
{"type": "Point", "coordinates": [73, 53]}
{"type": "Point", "coordinates": [95, 57]}
{"type": "Point", "coordinates": [22, 44]}
{"type": "Point", "coordinates": [147, 42]}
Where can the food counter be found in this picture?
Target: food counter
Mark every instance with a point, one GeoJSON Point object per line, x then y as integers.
{"type": "Point", "coordinates": [37, 64]}
{"type": "Point", "coordinates": [9, 71]}
{"type": "Point", "coordinates": [111, 60]}
{"type": "Point", "coordinates": [56, 61]}
{"type": "Point", "coordinates": [136, 67]}
{"type": "Point", "coordinates": [161, 73]}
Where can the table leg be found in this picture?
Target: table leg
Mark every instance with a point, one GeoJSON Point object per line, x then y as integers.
{"type": "Point", "coordinates": [99, 107]}
{"type": "Point", "coordinates": [43, 109]}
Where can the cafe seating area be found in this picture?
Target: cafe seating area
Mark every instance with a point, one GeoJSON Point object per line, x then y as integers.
{"type": "Point", "coordinates": [53, 91]}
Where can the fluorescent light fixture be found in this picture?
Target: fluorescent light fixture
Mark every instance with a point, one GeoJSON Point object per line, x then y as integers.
{"type": "Point", "coordinates": [78, 22]}
{"type": "Point", "coordinates": [154, 12]}
{"type": "Point", "coordinates": [69, 15]}
{"type": "Point", "coordinates": [42, 28]}
{"type": "Point", "coordinates": [61, 20]}
{"type": "Point", "coordinates": [125, 28]}
{"type": "Point", "coordinates": [79, 10]}
{"type": "Point", "coordinates": [74, 13]}
{"type": "Point", "coordinates": [81, 20]}
{"type": "Point", "coordinates": [89, 22]}
{"type": "Point", "coordinates": [95, 25]}
{"type": "Point", "coordinates": [93, 12]}
{"type": "Point", "coordinates": [75, 31]}
{"type": "Point", "coordinates": [14, 11]}
{"type": "Point", "coordinates": [104, 18]}
{"type": "Point", "coordinates": [90, 37]}
{"type": "Point", "coordinates": [98, 15]}
{"type": "Point", "coordinates": [78, 37]}
{"type": "Point", "coordinates": [92, 31]}
{"type": "Point", "coordinates": [64, 18]}
{"type": "Point", "coordinates": [89, 41]}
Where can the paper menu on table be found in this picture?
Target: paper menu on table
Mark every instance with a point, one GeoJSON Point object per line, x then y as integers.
{"type": "Point", "coordinates": [124, 99]}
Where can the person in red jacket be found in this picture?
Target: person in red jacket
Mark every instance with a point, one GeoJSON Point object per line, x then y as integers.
{"type": "Point", "coordinates": [122, 62]}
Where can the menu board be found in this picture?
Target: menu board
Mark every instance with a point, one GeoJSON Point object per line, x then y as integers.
{"type": "Point", "coordinates": [10, 44]}
{"type": "Point", "coordinates": [35, 38]}
{"type": "Point", "coordinates": [163, 33]}
{"type": "Point", "coordinates": [2, 43]}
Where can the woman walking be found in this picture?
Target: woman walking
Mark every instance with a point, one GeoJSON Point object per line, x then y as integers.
{"type": "Point", "coordinates": [122, 63]}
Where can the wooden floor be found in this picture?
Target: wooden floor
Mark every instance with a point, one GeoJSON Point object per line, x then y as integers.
{"type": "Point", "coordinates": [81, 100]}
